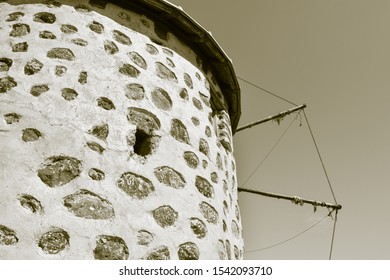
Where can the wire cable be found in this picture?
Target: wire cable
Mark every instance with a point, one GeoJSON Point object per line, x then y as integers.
{"type": "Point", "coordinates": [291, 238]}
{"type": "Point", "coordinates": [319, 155]}
{"type": "Point", "coordinates": [334, 230]}
{"type": "Point", "coordinates": [270, 151]}
{"type": "Point", "coordinates": [267, 91]}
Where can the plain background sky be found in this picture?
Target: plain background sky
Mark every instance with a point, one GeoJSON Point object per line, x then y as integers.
{"type": "Point", "coordinates": [334, 56]}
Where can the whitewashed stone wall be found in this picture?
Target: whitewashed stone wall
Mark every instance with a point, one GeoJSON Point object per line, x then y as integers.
{"type": "Point", "coordinates": [109, 146]}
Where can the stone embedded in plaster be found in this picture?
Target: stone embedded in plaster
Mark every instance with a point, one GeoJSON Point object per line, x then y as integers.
{"type": "Point", "coordinates": [54, 241]}
{"type": "Point", "coordinates": [214, 177]}
{"type": "Point", "coordinates": [233, 166]}
{"type": "Point", "coordinates": [219, 161]}
{"type": "Point", "coordinates": [228, 249]}
{"type": "Point", "coordinates": [237, 212]}
{"type": "Point", "coordinates": [160, 253]}
{"type": "Point", "coordinates": [31, 134]}
{"type": "Point", "coordinates": [143, 119]}
{"type": "Point", "coordinates": [204, 187]}
{"type": "Point", "coordinates": [198, 227]}
{"type": "Point", "coordinates": [135, 185]}
{"type": "Point", "coordinates": [144, 238]}
{"type": "Point", "coordinates": [129, 70]}
{"type": "Point", "coordinates": [95, 147]}
{"type": "Point", "coordinates": [45, 17]}
{"type": "Point", "coordinates": [164, 73]}
{"type": "Point", "coordinates": [195, 121]}
{"type": "Point", "coordinates": [7, 236]}
{"type": "Point", "coordinates": [83, 77]}
{"type": "Point", "coordinates": [19, 47]}
{"type": "Point", "coordinates": [110, 247]}
{"type": "Point", "coordinates": [105, 103]}
{"type": "Point", "coordinates": [188, 251]}
{"type": "Point", "coordinates": [60, 70]}
{"type": "Point", "coordinates": [69, 94]}
{"type": "Point", "coordinates": [235, 229]}
{"type": "Point", "coordinates": [191, 159]}
{"type": "Point", "coordinates": [82, 8]}
{"type": "Point", "coordinates": [188, 81]}
{"type": "Point", "coordinates": [47, 35]}
{"type": "Point", "coordinates": [110, 47]}
{"type": "Point", "coordinates": [7, 83]}
{"type": "Point", "coordinates": [96, 174]}
{"type": "Point", "coordinates": [225, 208]}
{"type": "Point", "coordinates": [59, 170]}
{"type": "Point", "coordinates": [68, 29]}
{"type": "Point", "coordinates": [138, 59]}
{"type": "Point", "coordinates": [135, 91]}
{"type": "Point", "coordinates": [197, 75]}
{"type": "Point", "coordinates": [32, 67]}
{"type": "Point", "coordinates": [96, 27]}
{"type": "Point", "coordinates": [37, 90]}
{"type": "Point", "coordinates": [205, 99]}
{"type": "Point", "coordinates": [5, 64]}
{"type": "Point", "coordinates": [61, 53]}
{"type": "Point", "coordinates": [120, 37]}
{"type": "Point", "coordinates": [168, 52]}
{"type": "Point", "coordinates": [151, 49]}
{"type": "Point", "coordinates": [100, 131]}
{"type": "Point", "coordinates": [236, 252]}
{"type": "Point", "coordinates": [179, 131]}
{"type": "Point", "coordinates": [88, 205]}
{"type": "Point", "coordinates": [208, 212]}
{"type": "Point", "coordinates": [183, 94]}
{"type": "Point", "coordinates": [197, 103]}
{"type": "Point", "coordinates": [207, 131]}
{"type": "Point", "coordinates": [165, 216]}
{"type": "Point", "coordinates": [170, 177]}
{"type": "Point", "coordinates": [52, 4]}
{"type": "Point", "coordinates": [19, 30]}
{"type": "Point", "coordinates": [79, 42]}
{"type": "Point", "coordinates": [222, 250]}
{"type": "Point", "coordinates": [12, 118]}
{"type": "Point", "coordinates": [204, 146]}
{"type": "Point", "coordinates": [224, 226]}
{"type": "Point", "coordinates": [161, 99]}
{"type": "Point", "coordinates": [204, 163]}
{"type": "Point", "coordinates": [14, 16]}
{"type": "Point", "coordinates": [170, 62]}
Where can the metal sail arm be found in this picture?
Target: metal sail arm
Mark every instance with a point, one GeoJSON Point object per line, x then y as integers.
{"type": "Point", "coordinates": [277, 116]}
{"type": "Point", "coordinates": [294, 199]}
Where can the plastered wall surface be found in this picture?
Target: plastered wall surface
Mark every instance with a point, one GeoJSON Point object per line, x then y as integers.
{"type": "Point", "coordinates": [109, 146]}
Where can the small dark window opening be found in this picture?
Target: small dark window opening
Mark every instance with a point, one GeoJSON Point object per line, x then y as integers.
{"type": "Point", "coordinates": [143, 143]}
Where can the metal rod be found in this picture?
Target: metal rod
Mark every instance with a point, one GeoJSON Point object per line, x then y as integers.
{"type": "Point", "coordinates": [277, 116]}
{"type": "Point", "coordinates": [294, 199]}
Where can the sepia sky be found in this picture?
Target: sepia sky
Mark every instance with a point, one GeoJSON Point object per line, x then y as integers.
{"type": "Point", "coordinates": [334, 56]}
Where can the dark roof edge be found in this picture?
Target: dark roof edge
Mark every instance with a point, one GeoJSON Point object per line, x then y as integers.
{"type": "Point", "coordinates": [203, 41]}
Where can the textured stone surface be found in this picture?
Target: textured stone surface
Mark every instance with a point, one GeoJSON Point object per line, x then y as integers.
{"type": "Point", "coordinates": [198, 227]}
{"type": "Point", "coordinates": [143, 119]}
{"type": "Point", "coordinates": [188, 81]}
{"type": "Point", "coordinates": [31, 203]}
{"type": "Point", "coordinates": [32, 67]}
{"type": "Point", "coordinates": [111, 48]}
{"type": "Point", "coordinates": [20, 47]}
{"type": "Point", "coordinates": [5, 64]}
{"type": "Point", "coordinates": [144, 237]}
{"type": "Point", "coordinates": [61, 53]}
{"type": "Point", "coordinates": [19, 30]}
{"type": "Point", "coordinates": [100, 131]}
{"type": "Point", "coordinates": [129, 70]}
{"type": "Point", "coordinates": [165, 73]}
{"type": "Point", "coordinates": [69, 94]}
{"type": "Point", "coordinates": [105, 103]}
{"type": "Point", "coordinates": [110, 247]}
{"type": "Point", "coordinates": [160, 253]}
{"type": "Point", "coordinates": [165, 216]}
{"type": "Point", "coordinates": [14, 16]}
{"type": "Point", "coordinates": [204, 147]}
{"type": "Point", "coordinates": [7, 83]}
{"type": "Point", "coordinates": [12, 118]}
{"type": "Point", "coordinates": [7, 236]}
{"type": "Point", "coordinates": [170, 177]}
{"type": "Point", "coordinates": [68, 28]}
{"type": "Point", "coordinates": [96, 27]}
{"type": "Point", "coordinates": [161, 99]}
{"type": "Point", "coordinates": [204, 187]}
{"type": "Point", "coordinates": [188, 251]}
{"type": "Point", "coordinates": [59, 170]}
{"type": "Point", "coordinates": [88, 205]}
{"type": "Point", "coordinates": [45, 34]}
{"type": "Point", "coordinates": [120, 37]}
{"type": "Point", "coordinates": [208, 212]}
{"type": "Point", "coordinates": [138, 60]}
{"type": "Point", "coordinates": [135, 91]}
{"type": "Point", "coordinates": [96, 174]}
{"type": "Point", "coordinates": [135, 185]}
{"type": "Point", "coordinates": [37, 90]}
{"type": "Point", "coordinates": [96, 147]}
{"type": "Point", "coordinates": [191, 159]}
{"type": "Point", "coordinates": [54, 241]}
{"type": "Point", "coordinates": [179, 131]}
{"type": "Point", "coordinates": [45, 17]}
